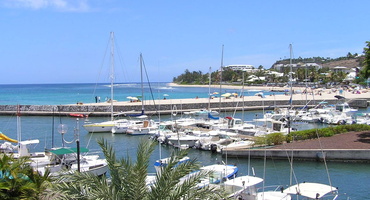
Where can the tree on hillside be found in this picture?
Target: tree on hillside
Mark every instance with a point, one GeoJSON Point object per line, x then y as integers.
{"type": "Point", "coordinates": [128, 179]}
{"type": "Point", "coordinates": [366, 62]}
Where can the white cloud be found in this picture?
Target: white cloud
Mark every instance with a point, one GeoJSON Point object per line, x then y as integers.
{"type": "Point", "coordinates": [60, 5]}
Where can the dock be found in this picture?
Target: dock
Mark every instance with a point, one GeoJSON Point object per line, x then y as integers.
{"type": "Point", "coordinates": [345, 147]}
{"type": "Point", "coordinates": [169, 106]}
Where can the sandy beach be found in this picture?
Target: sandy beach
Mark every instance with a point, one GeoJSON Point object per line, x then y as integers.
{"type": "Point", "coordinates": [316, 95]}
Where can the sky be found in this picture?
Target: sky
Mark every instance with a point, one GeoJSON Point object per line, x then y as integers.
{"type": "Point", "coordinates": [67, 41]}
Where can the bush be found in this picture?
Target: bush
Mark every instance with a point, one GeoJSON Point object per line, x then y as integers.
{"type": "Point", "coordinates": [326, 132]}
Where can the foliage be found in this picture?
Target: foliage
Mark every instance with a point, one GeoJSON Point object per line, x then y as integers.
{"type": "Point", "coordinates": [195, 77]}
{"type": "Point", "coordinates": [279, 138]}
{"type": "Point", "coordinates": [325, 132]}
{"type": "Point", "coordinates": [128, 179]}
{"type": "Point", "coordinates": [270, 139]}
{"type": "Point", "coordinates": [311, 73]}
{"type": "Point", "coordinates": [366, 62]}
{"type": "Point", "coordinates": [19, 180]}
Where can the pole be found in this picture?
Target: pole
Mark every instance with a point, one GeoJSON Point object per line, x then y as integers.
{"type": "Point", "coordinates": [78, 155]}
{"type": "Point", "coordinates": [112, 76]}
{"type": "Point", "coordinates": [222, 63]}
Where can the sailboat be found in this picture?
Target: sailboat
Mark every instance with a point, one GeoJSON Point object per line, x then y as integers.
{"type": "Point", "coordinates": [142, 125]}
{"type": "Point", "coordinates": [107, 126]}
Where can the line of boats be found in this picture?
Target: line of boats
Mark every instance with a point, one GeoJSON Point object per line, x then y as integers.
{"type": "Point", "coordinates": [247, 187]}
{"type": "Point", "coordinates": [204, 129]}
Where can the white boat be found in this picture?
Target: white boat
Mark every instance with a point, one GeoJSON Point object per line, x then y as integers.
{"type": "Point", "coordinates": [246, 187]}
{"type": "Point", "coordinates": [142, 127]}
{"type": "Point", "coordinates": [7, 147]}
{"type": "Point", "coordinates": [64, 160]}
{"type": "Point", "coordinates": [312, 191]}
{"type": "Point", "coordinates": [221, 173]}
{"type": "Point", "coordinates": [61, 160]}
{"type": "Point", "coordinates": [188, 139]}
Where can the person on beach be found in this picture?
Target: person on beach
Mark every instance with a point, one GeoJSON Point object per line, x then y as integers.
{"type": "Point", "coordinates": [96, 99]}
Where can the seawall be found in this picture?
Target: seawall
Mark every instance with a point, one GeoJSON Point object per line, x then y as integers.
{"type": "Point", "coordinates": [344, 155]}
{"type": "Point", "coordinates": [169, 105]}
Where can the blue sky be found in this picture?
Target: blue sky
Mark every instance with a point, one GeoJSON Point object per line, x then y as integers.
{"type": "Point", "coordinates": [65, 41]}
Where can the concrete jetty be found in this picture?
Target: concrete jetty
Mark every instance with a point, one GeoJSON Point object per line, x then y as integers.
{"type": "Point", "coordinates": [168, 106]}
{"type": "Point", "coordinates": [345, 147]}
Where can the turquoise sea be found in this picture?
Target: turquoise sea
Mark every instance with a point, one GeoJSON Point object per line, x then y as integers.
{"type": "Point", "coordinates": [352, 179]}
{"type": "Point", "coordinates": [56, 94]}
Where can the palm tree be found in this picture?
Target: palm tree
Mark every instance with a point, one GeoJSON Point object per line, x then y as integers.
{"type": "Point", "coordinates": [128, 180]}
{"type": "Point", "coordinates": [18, 180]}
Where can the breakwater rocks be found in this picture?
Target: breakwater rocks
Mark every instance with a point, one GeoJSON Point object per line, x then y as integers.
{"type": "Point", "coordinates": [166, 106]}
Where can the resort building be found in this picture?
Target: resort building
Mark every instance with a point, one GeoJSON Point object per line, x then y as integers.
{"type": "Point", "coordinates": [308, 66]}
{"type": "Point", "coordinates": [247, 68]}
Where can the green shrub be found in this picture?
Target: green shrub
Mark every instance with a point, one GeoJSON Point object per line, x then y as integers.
{"type": "Point", "coordinates": [326, 132]}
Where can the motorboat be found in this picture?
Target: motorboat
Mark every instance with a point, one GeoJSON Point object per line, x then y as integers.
{"type": "Point", "coordinates": [141, 127]}
{"type": "Point", "coordinates": [64, 160]}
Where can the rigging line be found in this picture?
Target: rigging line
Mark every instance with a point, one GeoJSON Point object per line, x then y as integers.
{"type": "Point", "coordinates": [276, 171]}
{"type": "Point", "coordinates": [150, 87]}
{"type": "Point", "coordinates": [290, 160]}
{"type": "Point", "coordinates": [101, 67]}
{"type": "Point", "coordinates": [121, 60]}
{"type": "Point", "coordinates": [324, 158]}
{"type": "Point", "coordinates": [89, 140]}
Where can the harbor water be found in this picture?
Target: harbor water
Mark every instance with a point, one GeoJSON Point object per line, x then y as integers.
{"type": "Point", "coordinates": [352, 179]}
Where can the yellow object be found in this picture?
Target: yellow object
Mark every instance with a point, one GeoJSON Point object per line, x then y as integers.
{"type": "Point", "coordinates": [4, 137]}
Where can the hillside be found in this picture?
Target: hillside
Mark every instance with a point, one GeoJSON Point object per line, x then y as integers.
{"type": "Point", "coordinates": [350, 62]}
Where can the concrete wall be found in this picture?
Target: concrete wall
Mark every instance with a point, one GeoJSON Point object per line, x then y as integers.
{"type": "Point", "coordinates": [355, 155]}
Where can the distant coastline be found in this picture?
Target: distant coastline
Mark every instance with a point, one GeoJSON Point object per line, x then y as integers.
{"type": "Point", "coordinates": [239, 87]}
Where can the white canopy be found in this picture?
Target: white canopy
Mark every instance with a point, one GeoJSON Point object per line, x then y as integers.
{"type": "Point", "coordinates": [311, 190]}
{"type": "Point", "coordinates": [244, 181]}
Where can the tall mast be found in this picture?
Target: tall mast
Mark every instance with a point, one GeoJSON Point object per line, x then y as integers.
{"type": "Point", "coordinates": [222, 64]}
{"type": "Point", "coordinates": [19, 126]}
{"type": "Point", "coordinates": [290, 75]}
{"type": "Point", "coordinates": [209, 90]}
{"type": "Point", "coordinates": [112, 75]}
{"type": "Point", "coordinates": [142, 86]}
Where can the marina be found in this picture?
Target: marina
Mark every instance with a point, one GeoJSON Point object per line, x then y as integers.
{"type": "Point", "coordinates": [344, 175]}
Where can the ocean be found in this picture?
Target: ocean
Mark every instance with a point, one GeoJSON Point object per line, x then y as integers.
{"type": "Point", "coordinates": [352, 179]}
{"type": "Point", "coordinates": [56, 94]}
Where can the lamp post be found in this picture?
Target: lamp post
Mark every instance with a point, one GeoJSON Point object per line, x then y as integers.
{"type": "Point", "coordinates": [62, 129]}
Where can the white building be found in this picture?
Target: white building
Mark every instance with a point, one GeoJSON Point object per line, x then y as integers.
{"type": "Point", "coordinates": [279, 67]}
{"type": "Point", "coordinates": [247, 68]}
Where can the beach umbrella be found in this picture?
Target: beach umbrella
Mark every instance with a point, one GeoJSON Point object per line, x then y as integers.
{"type": "Point", "coordinates": [215, 93]}
{"type": "Point", "coordinates": [129, 97]}
{"type": "Point", "coordinates": [166, 95]}
{"type": "Point", "coordinates": [235, 94]}
{"type": "Point", "coordinates": [134, 98]}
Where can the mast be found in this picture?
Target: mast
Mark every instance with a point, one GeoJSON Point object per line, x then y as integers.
{"type": "Point", "coordinates": [142, 84]}
{"type": "Point", "coordinates": [291, 102]}
{"type": "Point", "coordinates": [209, 89]}
{"type": "Point", "coordinates": [19, 127]}
{"type": "Point", "coordinates": [222, 63]}
{"type": "Point", "coordinates": [112, 76]}
{"type": "Point", "coordinates": [290, 75]}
